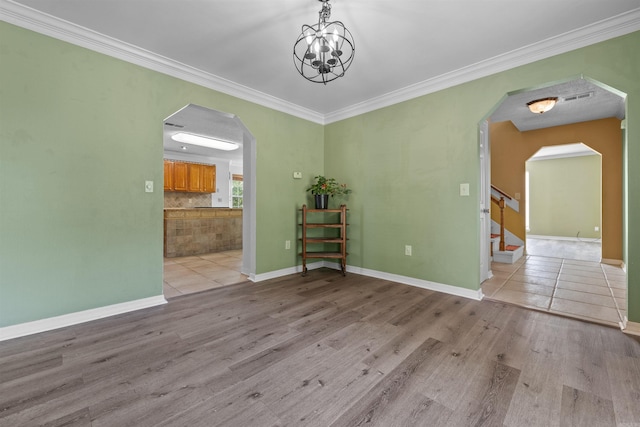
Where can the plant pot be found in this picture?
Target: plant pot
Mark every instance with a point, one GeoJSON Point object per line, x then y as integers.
{"type": "Point", "coordinates": [322, 201]}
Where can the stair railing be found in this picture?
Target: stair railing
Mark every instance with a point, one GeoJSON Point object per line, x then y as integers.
{"type": "Point", "coordinates": [501, 205]}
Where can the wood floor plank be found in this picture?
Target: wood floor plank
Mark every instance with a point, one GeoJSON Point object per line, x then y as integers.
{"type": "Point", "coordinates": [272, 355]}
{"type": "Point", "coordinates": [624, 376]}
{"type": "Point", "coordinates": [466, 355]}
{"type": "Point", "coordinates": [415, 410]}
{"type": "Point", "coordinates": [540, 383]}
{"type": "Point", "coordinates": [584, 366]}
{"type": "Point", "coordinates": [391, 389]}
{"type": "Point", "coordinates": [321, 350]}
{"type": "Point", "coordinates": [486, 400]}
{"type": "Point", "coordinates": [580, 409]}
{"type": "Point", "coordinates": [514, 343]}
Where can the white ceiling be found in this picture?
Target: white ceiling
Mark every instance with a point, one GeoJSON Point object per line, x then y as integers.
{"type": "Point", "coordinates": [203, 121]}
{"type": "Point", "coordinates": [579, 100]}
{"type": "Point", "coordinates": [404, 48]}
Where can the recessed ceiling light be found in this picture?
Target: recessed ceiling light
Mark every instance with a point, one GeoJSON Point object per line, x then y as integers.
{"type": "Point", "coordinates": [203, 141]}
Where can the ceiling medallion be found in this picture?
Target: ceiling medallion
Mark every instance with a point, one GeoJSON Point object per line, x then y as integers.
{"type": "Point", "coordinates": [543, 105]}
{"type": "Point", "coordinates": [324, 51]}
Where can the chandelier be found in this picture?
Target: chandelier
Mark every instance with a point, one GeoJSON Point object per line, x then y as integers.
{"type": "Point", "coordinates": [324, 51]}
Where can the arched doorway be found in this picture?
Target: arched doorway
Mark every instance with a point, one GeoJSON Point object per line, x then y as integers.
{"type": "Point", "coordinates": [220, 126]}
{"type": "Point", "coordinates": [584, 107]}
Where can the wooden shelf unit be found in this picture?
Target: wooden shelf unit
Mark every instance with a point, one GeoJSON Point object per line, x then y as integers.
{"type": "Point", "coordinates": [340, 239]}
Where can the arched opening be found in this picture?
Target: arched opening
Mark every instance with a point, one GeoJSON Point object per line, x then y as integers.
{"type": "Point", "coordinates": [563, 209]}
{"type": "Point", "coordinates": [217, 246]}
{"type": "Point", "coordinates": [588, 112]}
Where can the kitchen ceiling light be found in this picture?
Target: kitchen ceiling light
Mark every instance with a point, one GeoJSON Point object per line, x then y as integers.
{"type": "Point", "coordinates": [543, 105]}
{"type": "Point", "coordinates": [204, 141]}
{"type": "Point", "coordinates": [323, 51]}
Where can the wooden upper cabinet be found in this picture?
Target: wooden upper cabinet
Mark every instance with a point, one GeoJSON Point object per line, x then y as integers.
{"type": "Point", "coordinates": [208, 178]}
{"type": "Point", "coordinates": [190, 177]}
{"type": "Point", "coordinates": [168, 175]}
{"type": "Point", "coordinates": [179, 176]}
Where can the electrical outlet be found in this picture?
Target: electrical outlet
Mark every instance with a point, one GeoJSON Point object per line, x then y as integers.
{"type": "Point", "coordinates": [287, 244]}
{"type": "Point", "coordinates": [407, 250]}
{"type": "Point", "coordinates": [148, 186]}
{"type": "Point", "coordinates": [464, 189]}
{"type": "Point", "coordinates": [297, 175]}
{"type": "Point", "coordinates": [596, 228]}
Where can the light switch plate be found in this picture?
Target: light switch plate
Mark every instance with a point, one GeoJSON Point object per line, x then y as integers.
{"type": "Point", "coordinates": [297, 175]}
{"type": "Point", "coordinates": [148, 186]}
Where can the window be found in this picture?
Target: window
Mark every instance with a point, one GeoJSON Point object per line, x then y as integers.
{"type": "Point", "coordinates": [236, 191]}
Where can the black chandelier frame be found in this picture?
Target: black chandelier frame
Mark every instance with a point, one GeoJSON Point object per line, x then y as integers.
{"type": "Point", "coordinates": [324, 51]}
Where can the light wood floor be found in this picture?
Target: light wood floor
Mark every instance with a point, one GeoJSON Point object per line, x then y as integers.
{"type": "Point", "coordinates": [323, 350]}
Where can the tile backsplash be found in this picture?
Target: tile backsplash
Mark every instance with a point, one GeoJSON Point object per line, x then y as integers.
{"type": "Point", "coordinates": [173, 199]}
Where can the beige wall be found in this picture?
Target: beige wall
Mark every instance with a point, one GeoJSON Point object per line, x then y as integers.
{"type": "Point", "coordinates": [511, 148]}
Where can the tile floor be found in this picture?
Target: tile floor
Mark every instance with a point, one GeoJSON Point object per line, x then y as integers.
{"type": "Point", "coordinates": [186, 275]}
{"type": "Point", "coordinates": [582, 289]}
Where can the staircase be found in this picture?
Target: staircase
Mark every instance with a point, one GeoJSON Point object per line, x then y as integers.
{"type": "Point", "coordinates": [500, 250]}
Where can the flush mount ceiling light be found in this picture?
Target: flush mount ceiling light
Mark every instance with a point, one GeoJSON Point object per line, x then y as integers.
{"type": "Point", "coordinates": [204, 141]}
{"type": "Point", "coordinates": [324, 51]}
{"type": "Point", "coordinates": [543, 105]}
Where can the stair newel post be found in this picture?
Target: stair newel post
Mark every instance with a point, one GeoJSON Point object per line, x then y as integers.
{"type": "Point", "coordinates": [501, 205]}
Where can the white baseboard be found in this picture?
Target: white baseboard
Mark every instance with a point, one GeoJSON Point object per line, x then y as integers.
{"type": "Point", "coordinates": [42, 325]}
{"type": "Point", "coordinates": [630, 328]}
{"type": "Point", "coordinates": [571, 239]}
{"type": "Point", "coordinates": [424, 284]}
{"type": "Point", "coordinates": [284, 272]}
{"type": "Point", "coordinates": [616, 262]}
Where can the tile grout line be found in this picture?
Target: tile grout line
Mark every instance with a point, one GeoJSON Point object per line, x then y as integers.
{"type": "Point", "coordinates": [511, 275]}
{"type": "Point", "coordinates": [606, 278]}
{"type": "Point", "coordinates": [555, 285]}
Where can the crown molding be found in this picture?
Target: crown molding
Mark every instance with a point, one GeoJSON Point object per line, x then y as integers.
{"type": "Point", "coordinates": [26, 17]}
{"type": "Point", "coordinates": [34, 20]}
{"type": "Point", "coordinates": [616, 26]}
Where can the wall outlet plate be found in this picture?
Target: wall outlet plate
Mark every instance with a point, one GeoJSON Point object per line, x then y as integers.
{"type": "Point", "coordinates": [464, 189]}
{"type": "Point", "coordinates": [297, 175]}
{"type": "Point", "coordinates": [148, 186]}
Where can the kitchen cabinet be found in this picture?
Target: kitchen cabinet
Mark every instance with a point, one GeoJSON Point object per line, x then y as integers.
{"type": "Point", "coordinates": [189, 177]}
{"type": "Point", "coordinates": [194, 180]}
{"type": "Point", "coordinates": [208, 178]}
{"type": "Point", "coordinates": [179, 176]}
{"type": "Point", "coordinates": [168, 175]}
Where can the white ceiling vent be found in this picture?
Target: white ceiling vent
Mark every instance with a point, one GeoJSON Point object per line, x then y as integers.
{"type": "Point", "coordinates": [580, 96]}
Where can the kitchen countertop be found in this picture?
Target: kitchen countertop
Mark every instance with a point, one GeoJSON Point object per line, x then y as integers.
{"type": "Point", "coordinates": [204, 212]}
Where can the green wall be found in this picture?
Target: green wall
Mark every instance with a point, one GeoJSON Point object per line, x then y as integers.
{"type": "Point", "coordinates": [80, 132]}
{"type": "Point", "coordinates": [564, 197]}
{"type": "Point", "coordinates": [411, 158]}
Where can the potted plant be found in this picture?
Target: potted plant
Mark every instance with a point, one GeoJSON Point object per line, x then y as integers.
{"type": "Point", "coordinates": [324, 187]}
